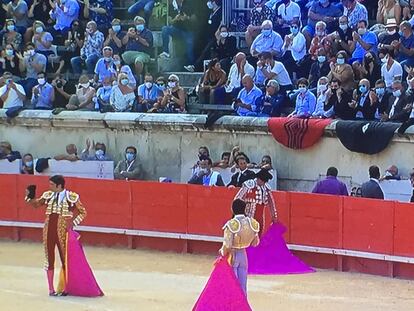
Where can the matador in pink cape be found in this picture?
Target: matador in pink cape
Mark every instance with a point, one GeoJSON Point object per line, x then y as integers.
{"type": "Point", "coordinates": [63, 211]}
{"type": "Point", "coordinates": [258, 195]}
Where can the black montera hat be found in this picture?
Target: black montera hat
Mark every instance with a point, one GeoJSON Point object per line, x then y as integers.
{"type": "Point", "coordinates": [264, 175]}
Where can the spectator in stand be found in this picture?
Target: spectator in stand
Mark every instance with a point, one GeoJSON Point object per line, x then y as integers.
{"type": "Point", "coordinates": [148, 94]}
{"type": "Point", "coordinates": [105, 66]}
{"type": "Point", "coordinates": [399, 107]}
{"type": "Point", "coordinates": [355, 11]}
{"type": "Point", "coordinates": [42, 39]}
{"type": "Point", "coordinates": [146, 5]}
{"type": "Point", "coordinates": [122, 68]}
{"type": "Point", "coordinates": [99, 11]}
{"type": "Point", "coordinates": [39, 11]}
{"type": "Point", "coordinates": [380, 98]}
{"type": "Point", "coordinates": [331, 185]}
{"type": "Point", "coordinates": [32, 63]}
{"type": "Point", "coordinates": [18, 11]}
{"type": "Point", "coordinates": [122, 97]}
{"type": "Point", "coordinates": [370, 68]}
{"type": "Point", "coordinates": [206, 176]}
{"type": "Point", "coordinates": [288, 13]}
{"type": "Point", "coordinates": [242, 175]}
{"type": "Point", "coordinates": [271, 102]}
{"type": "Point", "coordinates": [237, 71]}
{"type": "Point", "coordinates": [10, 62]}
{"type": "Point", "coordinates": [64, 12]}
{"type": "Point", "coordinates": [98, 152]}
{"type": "Point", "coordinates": [386, 38]}
{"type": "Point", "coordinates": [128, 169]}
{"type": "Point", "coordinates": [364, 41]}
{"type": "Point", "coordinates": [43, 93]}
{"type": "Point", "coordinates": [305, 101]}
{"type": "Point", "coordinates": [405, 46]}
{"type": "Point", "coordinates": [372, 189]}
{"type": "Point", "coordinates": [7, 153]}
{"type": "Point", "coordinates": [342, 37]}
{"type": "Point", "coordinates": [211, 90]}
{"type": "Point", "coordinates": [265, 164]}
{"type": "Point", "coordinates": [12, 95]}
{"type": "Point", "coordinates": [27, 165]}
{"type": "Point", "coordinates": [408, 11]}
{"type": "Point", "coordinates": [294, 49]}
{"type": "Point", "coordinates": [361, 103]}
{"type": "Point", "coordinates": [391, 174]}
{"type": "Point", "coordinates": [320, 40]}
{"type": "Point", "coordinates": [259, 14]}
{"type": "Point", "coordinates": [388, 9]}
{"type": "Point", "coordinates": [83, 99]}
{"type": "Point", "coordinates": [319, 68]}
{"type": "Point", "coordinates": [73, 43]}
{"type": "Point", "coordinates": [62, 92]}
{"type": "Point", "coordinates": [342, 72]}
{"type": "Point", "coordinates": [203, 152]}
{"type": "Point", "coordinates": [138, 43]}
{"type": "Point", "coordinates": [182, 20]}
{"type": "Point", "coordinates": [323, 10]}
{"type": "Point", "coordinates": [267, 41]}
{"type": "Point", "coordinates": [71, 154]}
{"type": "Point", "coordinates": [245, 103]}
{"type": "Point", "coordinates": [115, 37]}
{"type": "Point", "coordinates": [391, 69]}
{"type": "Point", "coordinates": [103, 96]}
{"type": "Point", "coordinates": [174, 97]}
{"type": "Point", "coordinates": [224, 162]}
{"type": "Point", "coordinates": [339, 99]}
{"type": "Point", "coordinates": [321, 95]}
{"type": "Point", "coordinates": [91, 50]}
{"type": "Point", "coordinates": [11, 35]}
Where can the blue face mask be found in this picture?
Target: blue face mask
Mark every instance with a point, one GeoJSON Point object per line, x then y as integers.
{"type": "Point", "coordinates": [29, 164]}
{"type": "Point", "coordinates": [140, 27]}
{"type": "Point", "coordinates": [400, 33]}
{"type": "Point", "coordinates": [363, 89]}
{"type": "Point", "coordinates": [100, 154]}
{"type": "Point", "coordinates": [396, 93]}
{"type": "Point", "coordinates": [340, 61]}
{"type": "Point", "coordinates": [161, 87]}
{"type": "Point", "coordinates": [266, 32]}
{"type": "Point", "coordinates": [130, 156]}
{"type": "Point", "coordinates": [116, 28]}
{"type": "Point", "coordinates": [380, 91]}
{"type": "Point", "coordinates": [294, 30]}
{"type": "Point", "coordinates": [321, 58]}
{"type": "Point", "coordinates": [107, 87]}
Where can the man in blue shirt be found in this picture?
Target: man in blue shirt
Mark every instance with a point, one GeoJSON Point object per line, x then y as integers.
{"type": "Point", "coordinates": [148, 94]}
{"type": "Point", "coordinates": [43, 93]}
{"type": "Point", "coordinates": [269, 104]}
{"type": "Point", "coordinates": [405, 46]}
{"type": "Point", "coordinates": [364, 41]}
{"type": "Point", "coordinates": [267, 41]}
{"type": "Point", "coordinates": [105, 66]}
{"type": "Point", "coordinates": [305, 101]}
{"type": "Point", "coordinates": [245, 103]}
{"type": "Point", "coordinates": [64, 14]}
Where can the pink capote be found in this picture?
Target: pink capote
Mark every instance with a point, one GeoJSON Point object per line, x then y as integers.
{"type": "Point", "coordinates": [222, 291]}
{"type": "Point", "coordinates": [272, 256]}
{"type": "Point", "coordinates": [80, 280]}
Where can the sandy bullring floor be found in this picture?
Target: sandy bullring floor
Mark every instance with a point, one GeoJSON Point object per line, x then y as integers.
{"type": "Point", "coordinates": [147, 280]}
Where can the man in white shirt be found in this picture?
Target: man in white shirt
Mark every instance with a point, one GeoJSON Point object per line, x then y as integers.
{"type": "Point", "coordinates": [11, 94]}
{"type": "Point", "coordinates": [287, 13]}
{"type": "Point", "coordinates": [272, 69]}
{"type": "Point", "coordinates": [237, 72]}
{"type": "Point", "coordinates": [391, 69]}
{"type": "Point", "coordinates": [294, 49]}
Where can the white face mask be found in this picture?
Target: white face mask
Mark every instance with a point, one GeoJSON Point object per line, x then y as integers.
{"type": "Point", "coordinates": [148, 85]}
{"type": "Point", "coordinates": [41, 81]}
{"type": "Point", "coordinates": [172, 84]}
{"type": "Point", "coordinates": [224, 34]}
{"type": "Point", "coordinates": [391, 32]}
{"type": "Point", "coordinates": [362, 31]}
{"type": "Point", "coordinates": [84, 85]}
{"type": "Point", "coordinates": [384, 59]}
{"type": "Point", "coordinates": [344, 27]}
{"type": "Point", "coordinates": [322, 88]}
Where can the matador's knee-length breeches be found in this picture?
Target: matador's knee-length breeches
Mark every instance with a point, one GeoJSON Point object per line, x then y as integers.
{"type": "Point", "coordinates": [54, 234]}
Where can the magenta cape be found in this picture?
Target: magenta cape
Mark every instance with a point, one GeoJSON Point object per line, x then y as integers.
{"type": "Point", "coordinates": [80, 280]}
{"type": "Point", "coordinates": [272, 256]}
{"type": "Point", "coordinates": [222, 291]}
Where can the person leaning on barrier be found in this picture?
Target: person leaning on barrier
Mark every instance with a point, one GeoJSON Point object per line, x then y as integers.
{"type": "Point", "coordinates": [98, 152]}
{"type": "Point", "coordinates": [71, 154]}
{"type": "Point", "coordinates": [129, 168]}
{"type": "Point", "coordinates": [372, 189]}
{"type": "Point", "coordinates": [7, 153]}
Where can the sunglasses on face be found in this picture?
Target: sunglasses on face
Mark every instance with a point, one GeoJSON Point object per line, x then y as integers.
{"type": "Point", "coordinates": [172, 81]}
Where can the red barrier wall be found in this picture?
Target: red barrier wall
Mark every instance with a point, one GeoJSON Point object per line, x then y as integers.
{"type": "Point", "coordinates": [372, 226]}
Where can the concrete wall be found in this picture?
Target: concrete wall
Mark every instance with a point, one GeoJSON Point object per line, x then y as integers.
{"type": "Point", "coordinates": [168, 144]}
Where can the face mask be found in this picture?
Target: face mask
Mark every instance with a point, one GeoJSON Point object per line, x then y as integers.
{"type": "Point", "coordinates": [108, 59]}
{"type": "Point", "coordinates": [384, 59]}
{"type": "Point", "coordinates": [124, 81]}
{"type": "Point", "coordinates": [363, 89]}
{"type": "Point", "coordinates": [396, 93]}
{"type": "Point", "coordinates": [340, 61]}
{"type": "Point", "coordinates": [294, 30]}
{"type": "Point", "coordinates": [148, 85]}
{"type": "Point", "coordinates": [259, 9]}
{"type": "Point", "coordinates": [391, 32]}
{"type": "Point", "coordinates": [41, 81]}
{"type": "Point", "coordinates": [107, 87]}
{"type": "Point", "coordinates": [29, 164]}
{"type": "Point", "coordinates": [224, 34]}
{"type": "Point", "coordinates": [380, 91]}
{"type": "Point", "coordinates": [130, 156]}
{"type": "Point", "coordinates": [266, 32]}
{"type": "Point", "coordinates": [117, 62]}
{"type": "Point", "coordinates": [362, 31]}
{"type": "Point", "coordinates": [400, 33]}
{"type": "Point", "coordinates": [344, 27]}
{"type": "Point", "coordinates": [84, 85]}
{"type": "Point", "coordinates": [210, 5]}
{"type": "Point", "coordinates": [99, 154]}
{"type": "Point", "coordinates": [302, 90]}
{"type": "Point", "coordinates": [39, 29]}
{"type": "Point", "coordinates": [320, 33]}
{"type": "Point", "coordinates": [116, 28]}
{"type": "Point", "coordinates": [161, 87]}
{"type": "Point", "coordinates": [321, 58]}
{"type": "Point", "coordinates": [322, 88]}
{"type": "Point", "coordinates": [139, 27]}
{"type": "Point", "coordinates": [171, 84]}
{"type": "Point", "coordinates": [11, 27]}
{"type": "Point", "coordinates": [9, 52]}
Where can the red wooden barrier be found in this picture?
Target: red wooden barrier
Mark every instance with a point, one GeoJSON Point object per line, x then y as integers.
{"type": "Point", "coordinates": [8, 193]}
{"type": "Point", "coordinates": [404, 229]}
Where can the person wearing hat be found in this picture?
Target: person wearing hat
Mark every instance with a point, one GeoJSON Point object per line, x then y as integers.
{"type": "Point", "coordinates": [258, 195]}
{"type": "Point", "coordinates": [390, 35]}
